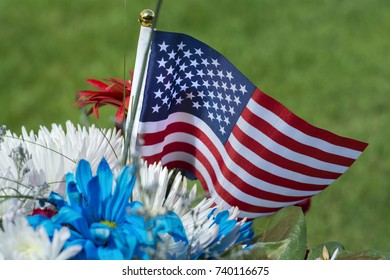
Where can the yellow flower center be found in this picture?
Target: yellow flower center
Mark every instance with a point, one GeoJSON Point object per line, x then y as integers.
{"type": "Point", "coordinates": [109, 223]}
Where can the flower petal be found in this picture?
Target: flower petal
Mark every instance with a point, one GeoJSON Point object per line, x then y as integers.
{"type": "Point", "coordinates": [117, 204]}
{"type": "Point", "coordinates": [105, 176]}
{"type": "Point", "coordinates": [83, 175]}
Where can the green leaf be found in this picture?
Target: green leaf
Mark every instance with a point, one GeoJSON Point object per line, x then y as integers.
{"type": "Point", "coordinates": [282, 236]}
{"type": "Point", "coordinates": [364, 255]}
{"type": "Point", "coordinates": [316, 252]}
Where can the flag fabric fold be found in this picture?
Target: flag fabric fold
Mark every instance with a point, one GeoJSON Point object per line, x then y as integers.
{"type": "Point", "coordinates": [201, 114]}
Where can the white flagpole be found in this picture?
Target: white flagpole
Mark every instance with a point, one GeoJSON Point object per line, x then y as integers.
{"type": "Point", "coordinates": [147, 20]}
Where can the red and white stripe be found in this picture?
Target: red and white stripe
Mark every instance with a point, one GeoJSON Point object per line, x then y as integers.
{"type": "Point", "coordinates": [272, 158]}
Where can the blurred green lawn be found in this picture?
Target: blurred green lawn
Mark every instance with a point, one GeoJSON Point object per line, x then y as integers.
{"type": "Point", "coordinates": [326, 60]}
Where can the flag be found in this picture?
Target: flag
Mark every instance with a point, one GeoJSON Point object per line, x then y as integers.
{"type": "Point", "coordinates": [201, 114]}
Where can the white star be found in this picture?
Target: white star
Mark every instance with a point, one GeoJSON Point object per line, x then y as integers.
{"type": "Point", "coordinates": [220, 74]}
{"type": "Point", "coordinates": [170, 70]}
{"type": "Point", "coordinates": [183, 87]}
{"type": "Point", "coordinates": [194, 63]}
{"type": "Point", "coordinates": [198, 51]}
{"type": "Point", "coordinates": [189, 75]}
{"type": "Point", "coordinates": [172, 54]}
{"type": "Point", "coordinates": [178, 81]}
{"type": "Point", "coordinates": [205, 62]}
{"type": "Point", "coordinates": [233, 88]}
{"type": "Point", "coordinates": [210, 73]}
{"type": "Point", "coordinates": [219, 119]}
{"type": "Point", "coordinates": [162, 62]}
{"type": "Point", "coordinates": [181, 46]}
{"type": "Point", "coordinates": [228, 98]}
{"type": "Point", "coordinates": [196, 105]}
{"type": "Point", "coordinates": [168, 85]}
{"type": "Point", "coordinates": [190, 95]}
{"type": "Point", "coordinates": [215, 62]}
{"type": "Point", "coordinates": [177, 61]}
{"type": "Point", "coordinates": [211, 116]}
{"type": "Point", "coordinates": [187, 53]}
{"type": "Point", "coordinates": [229, 75]}
{"type": "Point", "coordinates": [226, 120]}
{"type": "Point", "coordinates": [237, 100]}
{"type": "Point", "coordinates": [207, 105]}
{"type": "Point", "coordinates": [224, 86]}
{"type": "Point", "coordinates": [211, 94]}
{"type": "Point", "coordinates": [195, 84]}
{"type": "Point", "coordinates": [201, 94]}
{"type": "Point", "coordinates": [160, 79]}
{"type": "Point", "coordinates": [206, 83]}
{"type": "Point", "coordinates": [200, 73]}
{"type": "Point", "coordinates": [163, 46]}
{"type": "Point", "coordinates": [223, 108]}
{"type": "Point", "coordinates": [219, 96]}
{"type": "Point", "coordinates": [231, 110]}
{"type": "Point", "coordinates": [179, 100]}
{"type": "Point", "coordinates": [174, 94]}
{"type": "Point", "coordinates": [215, 106]}
{"type": "Point", "coordinates": [156, 108]}
{"type": "Point", "coordinates": [222, 129]}
{"type": "Point", "coordinates": [165, 100]}
{"type": "Point", "coordinates": [215, 84]}
{"type": "Point", "coordinates": [158, 93]}
{"type": "Point", "coordinates": [183, 67]}
{"type": "Point", "coordinates": [243, 89]}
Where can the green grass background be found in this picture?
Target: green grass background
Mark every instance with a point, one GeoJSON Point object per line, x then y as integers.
{"type": "Point", "coordinates": [326, 60]}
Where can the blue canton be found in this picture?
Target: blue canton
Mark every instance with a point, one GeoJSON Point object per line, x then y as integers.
{"type": "Point", "coordinates": [186, 75]}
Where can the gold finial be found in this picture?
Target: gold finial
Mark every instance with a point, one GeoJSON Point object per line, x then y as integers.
{"type": "Point", "coordinates": [146, 17]}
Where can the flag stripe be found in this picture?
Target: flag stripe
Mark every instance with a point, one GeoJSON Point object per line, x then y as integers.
{"type": "Point", "coordinates": [158, 137]}
{"type": "Point", "coordinates": [274, 135]}
{"type": "Point", "coordinates": [225, 172]}
{"type": "Point", "coordinates": [285, 152]}
{"type": "Point", "coordinates": [256, 147]}
{"type": "Point", "coordinates": [265, 175]}
{"type": "Point", "coordinates": [274, 169]}
{"type": "Point", "coordinates": [291, 125]}
{"type": "Point", "coordinates": [190, 163]}
{"type": "Point", "coordinates": [203, 132]}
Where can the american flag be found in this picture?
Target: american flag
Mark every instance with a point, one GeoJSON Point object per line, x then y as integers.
{"type": "Point", "coordinates": [199, 113]}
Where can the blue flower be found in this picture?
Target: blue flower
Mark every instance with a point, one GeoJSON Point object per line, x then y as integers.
{"type": "Point", "coordinates": [231, 232]}
{"type": "Point", "coordinates": [104, 221]}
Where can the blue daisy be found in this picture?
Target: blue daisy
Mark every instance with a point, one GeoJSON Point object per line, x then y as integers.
{"type": "Point", "coordinates": [102, 218]}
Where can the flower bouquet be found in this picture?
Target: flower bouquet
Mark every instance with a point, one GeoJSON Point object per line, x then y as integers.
{"type": "Point", "coordinates": [188, 118]}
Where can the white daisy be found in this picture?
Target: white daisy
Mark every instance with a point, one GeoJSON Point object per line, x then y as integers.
{"type": "Point", "coordinates": [19, 241]}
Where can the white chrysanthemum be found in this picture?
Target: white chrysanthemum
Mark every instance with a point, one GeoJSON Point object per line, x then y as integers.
{"type": "Point", "coordinates": [19, 241]}
{"type": "Point", "coordinates": [55, 153]}
{"type": "Point", "coordinates": [199, 221]}
{"type": "Point", "coordinates": [52, 154]}
{"type": "Point", "coordinates": [151, 190]}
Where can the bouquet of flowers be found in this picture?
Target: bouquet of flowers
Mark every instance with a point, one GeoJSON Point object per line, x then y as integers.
{"type": "Point", "coordinates": [72, 193]}
{"type": "Point", "coordinates": [64, 194]}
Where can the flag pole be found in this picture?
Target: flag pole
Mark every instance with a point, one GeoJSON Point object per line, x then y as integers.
{"type": "Point", "coordinates": [148, 20]}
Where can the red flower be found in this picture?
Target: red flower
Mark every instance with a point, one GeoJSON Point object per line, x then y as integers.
{"type": "Point", "coordinates": [116, 93]}
{"type": "Point", "coordinates": [47, 212]}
